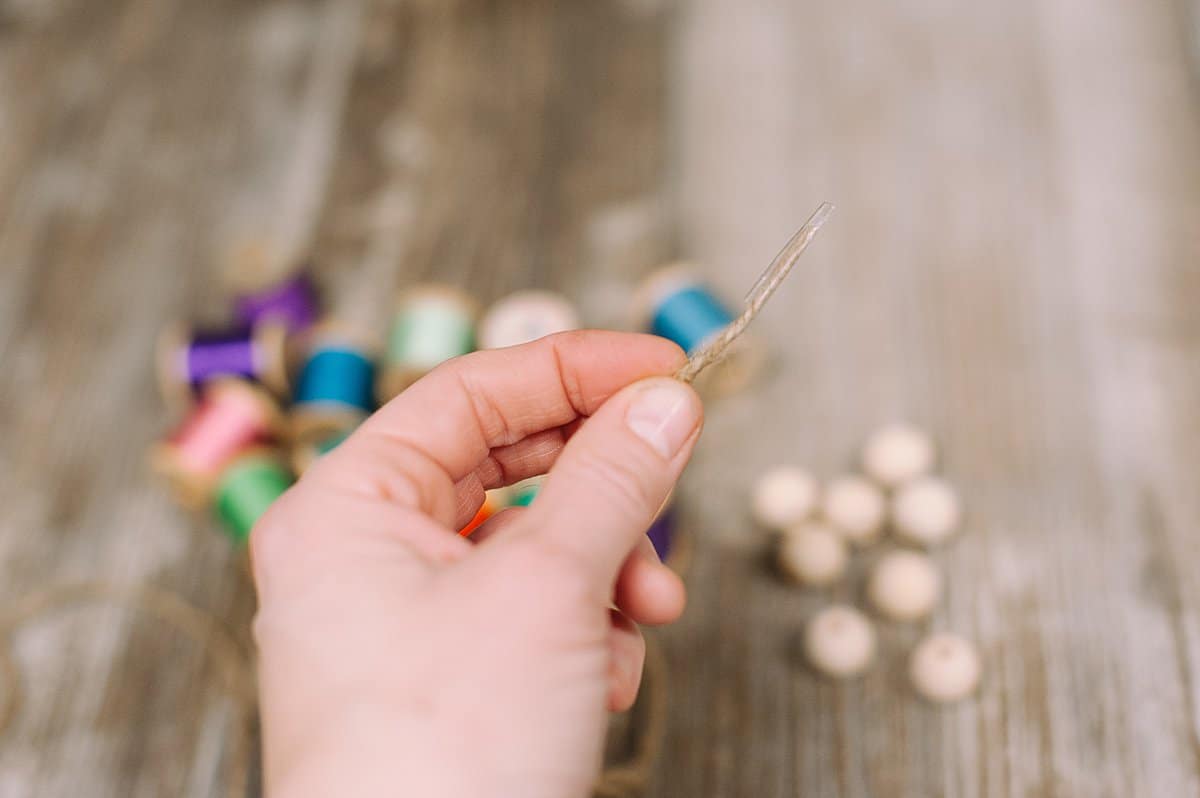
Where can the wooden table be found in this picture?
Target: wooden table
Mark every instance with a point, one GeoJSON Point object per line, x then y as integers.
{"type": "Point", "coordinates": [1015, 263]}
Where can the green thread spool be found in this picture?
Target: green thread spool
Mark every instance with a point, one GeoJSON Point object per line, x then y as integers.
{"type": "Point", "coordinates": [433, 324]}
{"type": "Point", "coordinates": [248, 487]}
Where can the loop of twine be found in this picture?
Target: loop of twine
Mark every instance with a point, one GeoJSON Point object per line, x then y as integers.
{"type": "Point", "coordinates": [630, 778]}
{"type": "Point", "coordinates": [200, 627]}
{"type": "Point", "coordinates": [205, 631]}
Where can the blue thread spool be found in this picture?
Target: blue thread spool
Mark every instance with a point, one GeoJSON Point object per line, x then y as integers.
{"type": "Point", "coordinates": [690, 317]}
{"type": "Point", "coordinates": [337, 382]}
{"type": "Point", "coordinates": [675, 304]}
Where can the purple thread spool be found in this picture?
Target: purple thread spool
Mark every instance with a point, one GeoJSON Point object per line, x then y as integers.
{"type": "Point", "coordinates": [187, 360]}
{"type": "Point", "coordinates": [292, 302]}
{"type": "Point", "coordinates": [220, 354]}
{"type": "Point", "coordinates": [662, 533]}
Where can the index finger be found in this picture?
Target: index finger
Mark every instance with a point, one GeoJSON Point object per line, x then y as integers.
{"type": "Point", "coordinates": [415, 449]}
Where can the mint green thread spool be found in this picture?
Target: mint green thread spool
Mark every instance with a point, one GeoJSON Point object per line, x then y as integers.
{"type": "Point", "coordinates": [523, 493]}
{"type": "Point", "coordinates": [249, 486]}
{"type": "Point", "coordinates": [433, 323]}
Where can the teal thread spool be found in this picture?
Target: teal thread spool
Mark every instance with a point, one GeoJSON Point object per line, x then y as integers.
{"type": "Point", "coordinates": [690, 318]}
{"type": "Point", "coordinates": [337, 382]}
{"type": "Point", "coordinates": [246, 489]}
{"type": "Point", "coordinates": [675, 304]}
{"type": "Point", "coordinates": [433, 323]}
{"type": "Point", "coordinates": [321, 440]}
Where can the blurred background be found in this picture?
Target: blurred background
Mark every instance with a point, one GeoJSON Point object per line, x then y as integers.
{"type": "Point", "coordinates": [1014, 265]}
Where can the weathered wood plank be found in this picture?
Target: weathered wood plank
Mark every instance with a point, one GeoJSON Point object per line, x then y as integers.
{"type": "Point", "coordinates": [1011, 264]}
{"type": "Point", "coordinates": [137, 139]}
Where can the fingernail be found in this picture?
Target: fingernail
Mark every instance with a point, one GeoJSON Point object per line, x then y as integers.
{"type": "Point", "coordinates": [664, 414]}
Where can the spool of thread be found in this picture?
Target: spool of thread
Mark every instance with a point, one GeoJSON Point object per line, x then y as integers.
{"type": "Point", "coordinates": [523, 493]}
{"type": "Point", "coordinates": [232, 416]}
{"type": "Point", "coordinates": [247, 487]}
{"type": "Point", "coordinates": [525, 316]}
{"type": "Point", "coordinates": [188, 360]}
{"type": "Point", "coordinates": [662, 531]}
{"type": "Point", "coordinates": [336, 382]}
{"type": "Point", "coordinates": [323, 438]}
{"type": "Point", "coordinates": [291, 303]}
{"type": "Point", "coordinates": [493, 502]}
{"type": "Point", "coordinates": [433, 323]}
{"type": "Point", "coordinates": [675, 304]}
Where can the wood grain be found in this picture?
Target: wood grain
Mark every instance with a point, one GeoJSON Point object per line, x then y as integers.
{"type": "Point", "coordinates": [1013, 263]}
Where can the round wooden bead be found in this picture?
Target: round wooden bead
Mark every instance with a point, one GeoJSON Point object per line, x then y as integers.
{"type": "Point", "coordinates": [840, 642]}
{"type": "Point", "coordinates": [783, 497]}
{"type": "Point", "coordinates": [897, 454]}
{"type": "Point", "coordinates": [904, 585]}
{"type": "Point", "coordinates": [856, 508]}
{"type": "Point", "coordinates": [927, 511]}
{"type": "Point", "coordinates": [945, 668]}
{"type": "Point", "coordinates": [812, 555]}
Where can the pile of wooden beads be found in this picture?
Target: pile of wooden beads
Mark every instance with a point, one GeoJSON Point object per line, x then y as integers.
{"type": "Point", "coordinates": [818, 530]}
{"type": "Point", "coordinates": [280, 387]}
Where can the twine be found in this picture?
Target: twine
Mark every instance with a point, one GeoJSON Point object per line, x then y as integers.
{"type": "Point", "coordinates": [200, 627]}
{"type": "Point", "coordinates": [766, 285]}
{"type": "Point", "coordinates": [630, 778]}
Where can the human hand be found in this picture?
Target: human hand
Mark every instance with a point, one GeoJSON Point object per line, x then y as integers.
{"type": "Point", "coordinates": [397, 658]}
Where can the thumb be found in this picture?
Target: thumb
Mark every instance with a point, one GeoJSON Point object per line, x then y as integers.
{"type": "Point", "coordinates": [615, 473]}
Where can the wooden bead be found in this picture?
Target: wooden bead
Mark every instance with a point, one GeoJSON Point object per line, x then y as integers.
{"type": "Point", "coordinates": [945, 668]}
{"type": "Point", "coordinates": [926, 512]}
{"type": "Point", "coordinates": [812, 555]}
{"type": "Point", "coordinates": [840, 642]}
{"type": "Point", "coordinates": [904, 585]}
{"type": "Point", "coordinates": [783, 497]}
{"type": "Point", "coordinates": [898, 453]}
{"type": "Point", "coordinates": [856, 508]}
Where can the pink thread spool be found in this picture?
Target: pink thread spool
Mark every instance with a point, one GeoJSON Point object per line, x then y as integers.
{"type": "Point", "coordinates": [232, 417]}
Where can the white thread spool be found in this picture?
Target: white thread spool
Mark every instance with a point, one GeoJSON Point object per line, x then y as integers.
{"type": "Point", "coordinates": [784, 497]}
{"type": "Point", "coordinates": [945, 668]}
{"type": "Point", "coordinates": [840, 642]}
{"type": "Point", "coordinates": [856, 508]}
{"type": "Point", "coordinates": [525, 316]}
{"type": "Point", "coordinates": [812, 555]}
{"type": "Point", "coordinates": [897, 454]}
{"type": "Point", "coordinates": [926, 512]}
{"type": "Point", "coordinates": [904, 585]}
